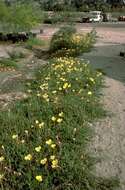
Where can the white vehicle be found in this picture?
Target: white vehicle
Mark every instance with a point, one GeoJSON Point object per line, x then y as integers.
{"type": "Point", "coordinates": [96, 16]}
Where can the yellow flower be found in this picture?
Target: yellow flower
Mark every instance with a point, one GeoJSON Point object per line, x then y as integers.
{"type": "Point", "coordinates": [49, 142]}
{"type": "Point", "coordinates": [1, 159]}
{"type": "Point", "coordinates": [1, 176]}
{"type": "Point", "coordinates": [14, 136]}
{"type": "Point", "coordinates": [38, 94]}
{"type": "Point", "coordinates": [23, 141]}
{"type": "Point", "coordinates": [54, 163]}
{"type": "Point", "coordinates": [91, 79]}
{"type": "Point", "coordinates": [41, 125]}
{"type": "Point", "coordinates": [37, 122]}
{"type": "Point", "coordinates": [45, 96]}
{"type": "Point", "coordinates": [26, 131]}
{"type": "Point", "coordinates": [53, 118]}
{"type": "Point", "coordinates": [37, 149]}
{"type": "Point", "coordinates": [52, 157]}
{"type": "Point", "coordinates": [43, 161]}
{"type": "Point", "coordinates": [53, 146]}
{"type": "Point", "coordinates": [28, 157]}
{"type": "Point", "coordinates": [54, 92]}
{"type": "Point", "coordinates": [60, 88]}
{"type": "Point", "coordinates": [59, 120]}
{"type": "Point", "coordinates": [89, 93]}
{"type": "Point", "coordinates": [65, 85]}
{"type": "Point", "coordinates": [39, 178]}
{"type": "Point", "coordinates": [61, 114]}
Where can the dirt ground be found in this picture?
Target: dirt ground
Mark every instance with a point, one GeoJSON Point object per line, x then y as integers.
{"type": "Point", "coordinates": [13, 83]}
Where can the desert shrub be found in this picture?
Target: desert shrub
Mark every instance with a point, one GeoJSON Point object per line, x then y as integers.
{"type": "Point", "coordinates": [61, 39]}
{"type": "Point", "coordinates": [43, 138]}
{"type": "Point", "coordinates": [69, 43]}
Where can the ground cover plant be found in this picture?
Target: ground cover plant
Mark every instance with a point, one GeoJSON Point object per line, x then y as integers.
{"type": "Point", "coordinates": [43, 138]}
{"type": "Point", "coordinates": [69, 43]}
{"type": "Point", "coordinates": [7, 64]}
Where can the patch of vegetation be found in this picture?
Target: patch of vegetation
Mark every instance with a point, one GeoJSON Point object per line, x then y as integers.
{"type": "Point", "coordinates": [44, 137]}
{"type": "Point", "coordinates": [19, 17]}
{"type": "Point", "coordinates": [69, 43]}
{"type": "Point", "coordinates": [34, 42]}
{"type": "Point", "coordinates": [7, 64]}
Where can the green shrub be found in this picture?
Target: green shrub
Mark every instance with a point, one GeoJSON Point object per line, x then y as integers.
{"type": "Point", "coordinates": [69, 43]}
{"type": "Point", "coordinates": [33, 42]}
{"type": "Point", "coordinates": [19, 17]}
{"type": "Point", "coordinates": [43, 138]}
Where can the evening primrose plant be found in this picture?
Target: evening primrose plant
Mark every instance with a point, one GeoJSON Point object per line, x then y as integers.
{"type": "Point", "coordinates": [70, 43]}
{"type": "Point", "coordinates": [43, 138]}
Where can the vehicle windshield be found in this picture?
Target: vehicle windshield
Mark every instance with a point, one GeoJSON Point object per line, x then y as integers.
{"type": "Point", "coordinates": [93, 15]}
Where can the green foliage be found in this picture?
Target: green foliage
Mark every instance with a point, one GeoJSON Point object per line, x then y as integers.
{"type": "Point", "coordinates": [7, 63]}
{"type": "Point", "coordinates": [34, 42]}
{"type": "Point", "coordinates": [63, 98]}
{"type": "Point", "coordinates": [19, 17]}
{"type": "Point", "coordinates": [67, 42]}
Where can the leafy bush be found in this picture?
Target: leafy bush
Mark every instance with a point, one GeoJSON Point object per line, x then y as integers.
{"type": "Point", "coordinates": [33, 42]}
{"type": "Point", "coordinates": [18, 17]}
{"type": "Point", "coordinates": [43, 138]}
{"type": "Point", "coordinates": [69, 43]}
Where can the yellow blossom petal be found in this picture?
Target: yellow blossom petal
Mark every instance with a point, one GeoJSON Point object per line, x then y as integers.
{"type": "Point", "coordinates": [28, 157]}
{"type": "Point", "coordinates": [39, 178]}
{"type": "Point", "coordinates": [61, 114]}
{"type": "Point", "coordinates": [53, 118]}
{"type": "Point", "coordinates": [43, 161]}
{"type": "Point", "coordinates": [59, 120]}
{"type": "Point", "coordinates": [38, 149]}
{"type": "Point", "coordinates": [14, 136]}
{"type": "Point", "coordinates": [53, 146]}
{"type": "Point", "coordinates": [49, 142]}
{"type": "Point", "coordinates": [1, 159]}
{"type": "Point", "coordinates": [52, 157]}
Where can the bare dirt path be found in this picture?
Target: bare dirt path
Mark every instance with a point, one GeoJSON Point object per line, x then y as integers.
{"type": "Point", "coordinates": [109, 139]}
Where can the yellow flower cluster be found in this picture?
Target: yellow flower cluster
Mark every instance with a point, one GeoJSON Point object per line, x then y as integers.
{"type": "Point", "coordinates": [76, 38]}
{"type": "Point", "coordinates": [59, 118]}
{"type": "Point", "coordinates": [39, 124]}
{"type": "Point", "coordinates": [28, 157]}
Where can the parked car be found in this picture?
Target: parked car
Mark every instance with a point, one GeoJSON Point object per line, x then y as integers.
{"type": "Point", "coordinates": [96, 16]}
{"type": "Point", "coordinates": [121, 18]}
{"type": "Point", "coordinates": [85, 19]}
